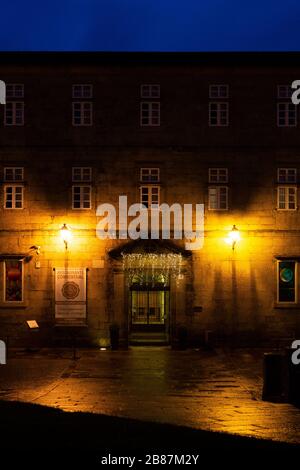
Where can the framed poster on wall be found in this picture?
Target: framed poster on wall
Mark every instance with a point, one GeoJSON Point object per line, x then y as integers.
{"type": "Point", "coordinates": [70, 296]}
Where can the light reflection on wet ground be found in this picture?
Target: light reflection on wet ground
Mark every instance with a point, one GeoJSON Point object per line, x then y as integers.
{"type": "Point", "coordinates": [205, 390]}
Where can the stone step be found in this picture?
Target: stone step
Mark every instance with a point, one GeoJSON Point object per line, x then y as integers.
{"type": "Point", "coordinates": [148, 339]}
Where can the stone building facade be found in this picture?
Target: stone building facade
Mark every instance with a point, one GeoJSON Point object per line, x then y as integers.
{"type": "Point", "coordinates": [82, 129]}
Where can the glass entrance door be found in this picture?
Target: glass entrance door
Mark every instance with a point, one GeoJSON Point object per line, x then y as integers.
{"type": "Point", "coordinates": [149, 309]}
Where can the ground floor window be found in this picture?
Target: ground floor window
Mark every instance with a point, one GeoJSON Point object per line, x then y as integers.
{"type": "Point", "coordinates": [287, 281]}
{"type": "Point", "coordinates": [13, 280]}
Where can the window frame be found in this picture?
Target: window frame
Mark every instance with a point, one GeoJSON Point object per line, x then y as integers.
{"type": "Point", "coordinates": [150, 187]}
{"type": "Point", "coordinates": [150, 95]}
{"type": "Point", "coordinates": [149, 181]}
{"type": "Point", "coordinates": [82, 185]}
{"type": "Point", "coordinates": [14, 95]}
{"type": "Point", "coordinates": [218, 94]}
{"type": "Point", "coordinates": [14, 179]}
{"type": "Point", "coordinates": [150, 118]}
{"type": "Point", "coordinates": [287, 94]}
{"type": "Point", "coordinates": [82, 117]}
{"type": "Point", "coordinates": [13, 185]}
{"type": "Point", "coordinates": [218, 188]}
{"type": "Point", "coordinates": [286, 169]}
{"type": "Point", "coordinates": [218, 112]}
{"type": "Point", "coordinates": [283, 303]}
{"type": "Point", "coordinates": [82, 95]}
{"type": "Point", "coordinates": [81, 168]}
{"type": "Point", "coordinates": [218, 180]}
{"type": "Point", "coordinates": [287, 104]}
{"type": "Point", "coordinates": [14, 113]}
{"type": "Point", "coordinates": [287, 187]}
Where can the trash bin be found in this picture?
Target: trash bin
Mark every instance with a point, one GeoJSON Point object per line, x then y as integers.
{"type": "Point", "coordinates": [273, 387]}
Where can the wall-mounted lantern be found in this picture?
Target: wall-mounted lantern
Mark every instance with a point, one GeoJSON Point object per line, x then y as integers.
{"type": "Point", "coordinates": [233, 236]}
{"type": "Point", "coordinates": [66, 235]}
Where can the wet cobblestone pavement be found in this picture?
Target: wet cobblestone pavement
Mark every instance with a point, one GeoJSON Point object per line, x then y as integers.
{"type": "Point", "coordinates": [214, 391]}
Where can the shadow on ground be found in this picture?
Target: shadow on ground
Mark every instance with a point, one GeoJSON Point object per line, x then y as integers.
{"type": "Point", "coordinates": [29, 426]}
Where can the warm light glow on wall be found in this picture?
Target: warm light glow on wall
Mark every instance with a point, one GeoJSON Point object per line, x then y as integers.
{"type": "Point", "coordinates": [233, 237]}
{"type": "Point", "coordinates": [66, 235]}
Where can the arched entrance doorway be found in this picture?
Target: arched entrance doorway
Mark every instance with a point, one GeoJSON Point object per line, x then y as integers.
{"type": "Point", "coordinates": [154, 294]}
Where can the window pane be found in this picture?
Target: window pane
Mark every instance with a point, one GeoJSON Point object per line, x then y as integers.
{"type": "Point", "coordinates": [13, 281]}
{"type": "Point", "coordinates": [212, 198]}
{"type": "Point", "coordinates": [281, 198]}
{"type": "Point", "coordinates": [286, 281]}
{"type": "Point", "coordinates": [9, 174]}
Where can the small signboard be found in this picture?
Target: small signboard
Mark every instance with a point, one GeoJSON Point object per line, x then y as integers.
{"type": "Point", "coordinates": [32, 324]}
{"type": "Point", "coordinates": [70, 296]}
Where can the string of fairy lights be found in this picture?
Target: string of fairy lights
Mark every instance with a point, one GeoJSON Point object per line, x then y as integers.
{"type": "Point", "coordinates": [151, 267]}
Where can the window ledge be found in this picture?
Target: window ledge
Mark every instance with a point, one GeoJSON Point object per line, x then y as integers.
{"type": "Point", "coordinates": [287, 305]}
{"type": "Point", "coordinates": [13, 305]}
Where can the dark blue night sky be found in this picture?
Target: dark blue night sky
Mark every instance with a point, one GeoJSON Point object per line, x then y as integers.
{"type": "Point", "coordinates": [150, 25]}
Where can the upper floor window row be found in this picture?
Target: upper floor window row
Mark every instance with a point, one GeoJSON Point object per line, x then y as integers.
{"type": "Point", "coordinates": [150, 106]}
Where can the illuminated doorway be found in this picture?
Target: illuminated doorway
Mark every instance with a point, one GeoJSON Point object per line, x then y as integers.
{"type": "Point", "coordinates": [149, 308]}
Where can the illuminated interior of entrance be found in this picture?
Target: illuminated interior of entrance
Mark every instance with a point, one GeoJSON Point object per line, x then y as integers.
{"type": "Point", "coordinates": [149, 302]}
{"type": "Point", "coordinates": [149, 307]}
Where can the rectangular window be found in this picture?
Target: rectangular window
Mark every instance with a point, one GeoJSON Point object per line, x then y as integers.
{"type": "Point", "coordinates": [218, 175]}
{"type": "Point", "coordinates": [82, 91]}
{"type": "Point", "coordinates": [13, 197]}
{"type": "Point", "coordinates": [150, 195]}
{"type": "Point", "coordinates": [286, 281]}
{"type": "Point", "coordinates": [81, 197]}
{"type": "Point", "coordinates": [82, 113]}
{"type": "Point", "coordinates": [150, 91]}
{"type": "Point", "coordinates": [287, 175]}
{"type": "Point", "coordinates": [284, 91]}
{"type": "Point", "coordinates": [13, 280]}
{"type": "Point", "coordinates": [150, 113]}
{"type": "Point", "coordinates": [13, 174]}
{"type": "Point", "coordinates": [14, 113]}
{"type": "Point", "coordinates": [150, 175]}
{"type": "Point", "coordinates": [81, 174]}
{"type": "Point", "coordinates": [218, 114]}
{"type": "Point", "coordinates": [218, 91]}
{"type": "Point", "coordinates": [286, 115]}
{"type": "Point", "coordinates": [287, 198]}
{"type": "Point", "coordinates": [14, 90]}
{"type": "Point", "coordinates": [218, 198]}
